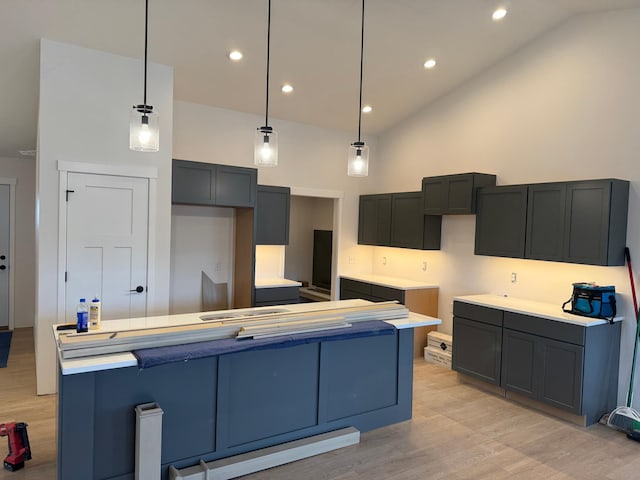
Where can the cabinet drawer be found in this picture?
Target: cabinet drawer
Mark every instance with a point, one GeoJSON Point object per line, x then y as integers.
{"type": "Point", "coordinates": [387, 293]}
{"type": "Point", "coordinates": [277, 294]}
{"type": "Point", "coordinates": [355, 286]}
{"type": "Point", "coordinates": [478, 313]}
{"type": "Point", "coordinates": [564, 332]}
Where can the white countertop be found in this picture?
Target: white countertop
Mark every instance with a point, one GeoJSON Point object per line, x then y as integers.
{"type": "Point", "coordinates": [276, 282]}
{"type": "Point", "coordinates": [126, 359]}
{"type": "Point", "coordinates": [393, 282]}
{"type": "Point", "coordinates": [530, 307]}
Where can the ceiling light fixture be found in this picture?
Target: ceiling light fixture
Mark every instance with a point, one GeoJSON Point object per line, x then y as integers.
{"type": "Point", "coordinates": [143, 126]}
{"type": "Point", "coordinates": [287, 88]}
{"type": "Point", "coordinates": [499, 13]}
{"type": "Point", "coordinates": [358, 159]}
{"type": "Point", "coordinates": [367, 109]}
{"type": "Point", "coordinates": [235, 55]}
{"type": "Point", "coordinates": [265, 152]}
{"type": "Point", "coordinates": [429, 64]}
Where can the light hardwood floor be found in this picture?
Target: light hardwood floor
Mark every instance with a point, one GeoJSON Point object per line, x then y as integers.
{"type": "Point", "coordinates": [457, 432]}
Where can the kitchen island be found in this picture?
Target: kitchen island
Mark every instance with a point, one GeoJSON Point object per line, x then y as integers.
{"type": "Point", "coordinates": [226, 404]}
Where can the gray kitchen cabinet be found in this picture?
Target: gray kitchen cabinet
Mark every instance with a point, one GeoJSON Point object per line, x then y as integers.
{"type": "Point", "coordinates": [595, 230]}
{"type": "Point", "coordinates": [578, 222]}
{"type": "Point", "coordinates": [272, 215]}
{"type": "Point", "coordinates": [477, 342]}
{"type": "Point", "coordinates": [396, 220]}
{"type": "Point", "coordinates": [501, 221]}
{"type": "Point", "coordinates": [374, 220]}
{"type": "Point", "coordinates": [568, 366]}
{"type": "Point", "coordinates": [453, 194]}
{"type": "Point", "coordinates": [198, 183]}
{"type": "Point", "coordinates": [410, 228]}
{"type": "Point", "coordinates": [350, 289]}
{"type": "Point", "coordinates": [277, 296]}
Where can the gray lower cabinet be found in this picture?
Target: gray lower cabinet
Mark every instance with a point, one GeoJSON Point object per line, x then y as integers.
{"type": "Point", "coordinates": [277, 296]}
{"type": "Point", "coordinates": [198, 183]}
{"type": "Point", "coordinates": [477, 337]}
{"type": "Point", "coordinates": [351, 289]}
{"type": "Point", "coordinates": [396, 220]}
{"type": "Point", "coordinates": [567, 366]}
{"type": "Point", "coordinates": [272, 215]}
{"type": "Point", "coordinates": [453, 194]}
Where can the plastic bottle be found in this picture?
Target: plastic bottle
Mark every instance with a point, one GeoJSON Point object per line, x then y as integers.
{"type": "Point", "coordinates": [94, 313]}
{"type": "Point", "coordinates": [82, 314]}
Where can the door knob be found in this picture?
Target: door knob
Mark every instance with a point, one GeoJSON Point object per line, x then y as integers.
{"type": "Point", "coordinates": [3, 257]}
{"type": "Point", "coordinates": [3, 267]}
{"type": "Point", "coordinates": [138, 289]}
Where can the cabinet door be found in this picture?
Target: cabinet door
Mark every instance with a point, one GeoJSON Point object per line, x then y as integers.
{"type": "Point", "coordinates": [235, 186]}
{"type": "Point", "coordinates": [460, 194]}
{"type": "Point", "coordinates": [477, 349]}
{"type": "Point", "coordinates": [434, 191]}
{"type": "Point", "coordinates": [192, 183]}
{"type": "Point", "coordinates": [501, 221]}
{"type": "Point", "coordinates": [519, 372]}
{"type": "Point", "coordinates": [561, 375]}
{"type": "Point", "coordinates": [272, 215]}
{"type": "Point", "coordinates": [407, 227]}
{"type": "Point", "coordinates": [545, 221]}
{"type": "Point", "coordinates": [374, 220]}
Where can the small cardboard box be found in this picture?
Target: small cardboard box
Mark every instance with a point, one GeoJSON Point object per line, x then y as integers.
{"type": "Point", "coordinates": [441, 341]}
{"type": "Point", "coordinates": [437, 356]}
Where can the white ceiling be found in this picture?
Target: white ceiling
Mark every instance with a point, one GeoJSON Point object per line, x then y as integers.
{"type": "Point", "coordinates": [315, 46]}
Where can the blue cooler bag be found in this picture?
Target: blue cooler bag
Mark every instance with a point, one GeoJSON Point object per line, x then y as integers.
{"type": "Point", "coordinates": [591, 300]}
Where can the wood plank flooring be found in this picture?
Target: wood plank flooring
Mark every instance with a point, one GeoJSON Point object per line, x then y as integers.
{"type": "Point", "coordinates": [457, 432]}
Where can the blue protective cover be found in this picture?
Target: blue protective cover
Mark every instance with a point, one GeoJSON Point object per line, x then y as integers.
{"type": "Point", "coordinates": [152, 357]}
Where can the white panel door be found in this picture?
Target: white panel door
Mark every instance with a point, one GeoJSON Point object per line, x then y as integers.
{"type": "Point", "coordinates": [4, 255]}
{"type": "Point", "coordinates": [107, 228]}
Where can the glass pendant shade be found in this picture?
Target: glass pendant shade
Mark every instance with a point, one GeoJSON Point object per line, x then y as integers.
{"type": "Point", "coordinates": [144, 134]}
{"type": "Point", "coordinates": [358, 163]}
{"type": "Point", "coordinates": [266, 147]}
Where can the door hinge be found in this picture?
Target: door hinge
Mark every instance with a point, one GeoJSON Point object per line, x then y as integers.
{"type": "Point", "coordinates": [65, 276]}
{"type": "Point", "coordinates": [68, 192]}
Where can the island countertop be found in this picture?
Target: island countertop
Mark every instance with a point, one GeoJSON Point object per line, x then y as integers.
{"type": "Point", "coordinates": [126, 359]}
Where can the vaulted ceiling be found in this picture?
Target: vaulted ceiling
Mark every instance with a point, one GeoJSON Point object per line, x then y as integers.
{"type": "Point", "coordinates": [315, 47]}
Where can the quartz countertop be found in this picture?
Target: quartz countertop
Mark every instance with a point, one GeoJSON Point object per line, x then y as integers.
{"type": "Point", "coordinates": [276, 282]}
{"type": "Point", "coordinates": [393, 282]}
{"type": "Point", "coordinates": [530, 307]}
{"type": "Point", "coordinates": [126, 359]}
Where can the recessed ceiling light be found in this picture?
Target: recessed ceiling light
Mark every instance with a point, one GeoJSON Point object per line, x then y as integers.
{"type": "Point", "coordinates": [430, 63]}
{"type": "Point", "coordinates": [286, 88]}
{"type": "Point", "coordinates": [235, 55]}
{"type": "Point", "coordinates": [499, 14]}
{"type": "Point", "coordinates": [367, 109]}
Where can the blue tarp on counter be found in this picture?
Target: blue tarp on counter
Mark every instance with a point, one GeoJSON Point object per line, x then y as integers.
{"type": "Point", "coordinates": [151, 357]}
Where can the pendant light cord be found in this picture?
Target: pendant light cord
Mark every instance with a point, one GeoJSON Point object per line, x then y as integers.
{"type": "Point", "coordinates": [361, 63]}
{"type": "Point", "coordinates": [266, 114]}
{"type": "Point", "coordinates": [146, 27]}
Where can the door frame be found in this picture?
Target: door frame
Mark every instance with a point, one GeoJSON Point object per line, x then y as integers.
{"type": "Point", "coordinates": [12, 236]}
{"type": "Point", "coordinates": [119, 170]}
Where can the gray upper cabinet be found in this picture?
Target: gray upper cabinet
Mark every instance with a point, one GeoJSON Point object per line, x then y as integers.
{"type": "Point", "coordinates": [453, 194]}
{"type": "Point", "coordinates": [374, 220]}
{"type": "Point", "coordinates": [272, 215]}
{"type": "Point", "coordinates": [578, 222]}
{"type": "Point", "coordinates": [396, 220]}
{"type": "Point", "coordinates": [198, 183]}
{"type": "Point", "coordinates": [501, 221]}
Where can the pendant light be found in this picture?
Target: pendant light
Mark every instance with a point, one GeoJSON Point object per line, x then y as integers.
{"type": "Point", "coordinates": [358, 160]}
{"type": "Point", "coordinates": [143, 125]}
{"type": "Point", "coordinates": [265, 152]}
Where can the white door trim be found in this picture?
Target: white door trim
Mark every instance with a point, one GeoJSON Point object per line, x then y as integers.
{"type": "Point", "coordinates": [12, 237]}
{"type": "Point", "coordinates": [150, 173]}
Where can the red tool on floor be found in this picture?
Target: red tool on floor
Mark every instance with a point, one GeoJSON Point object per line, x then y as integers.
{"type": "Point", "coordinates": [19, 449]}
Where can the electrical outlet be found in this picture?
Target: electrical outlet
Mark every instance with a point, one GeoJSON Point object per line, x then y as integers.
{"type": "Point", "coordinates": [424, 266]}
{"type": "Point", "coordinates": [218, 266]}
{"type": "Point", "coordinates": [352, 260]}
{"type": "Point", "coordinates": [384, 260]}
{"type": "Point", "coordinates": [514, 277]}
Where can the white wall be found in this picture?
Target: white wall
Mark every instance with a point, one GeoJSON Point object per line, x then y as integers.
{"type": "Point", "coordinates": [307, 214]}
{"type": "Point", "coordinates": [23, 263]}
{"type": "Point", "coordinates": [201, 241]}
{"type": "Point", "coordinates": [85, 102]}
{"type": "Point", "coordinates": [565, 107]}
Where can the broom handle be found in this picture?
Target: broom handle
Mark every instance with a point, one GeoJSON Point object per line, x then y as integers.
{"type": "Point", "coordinates": [635, 338]}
